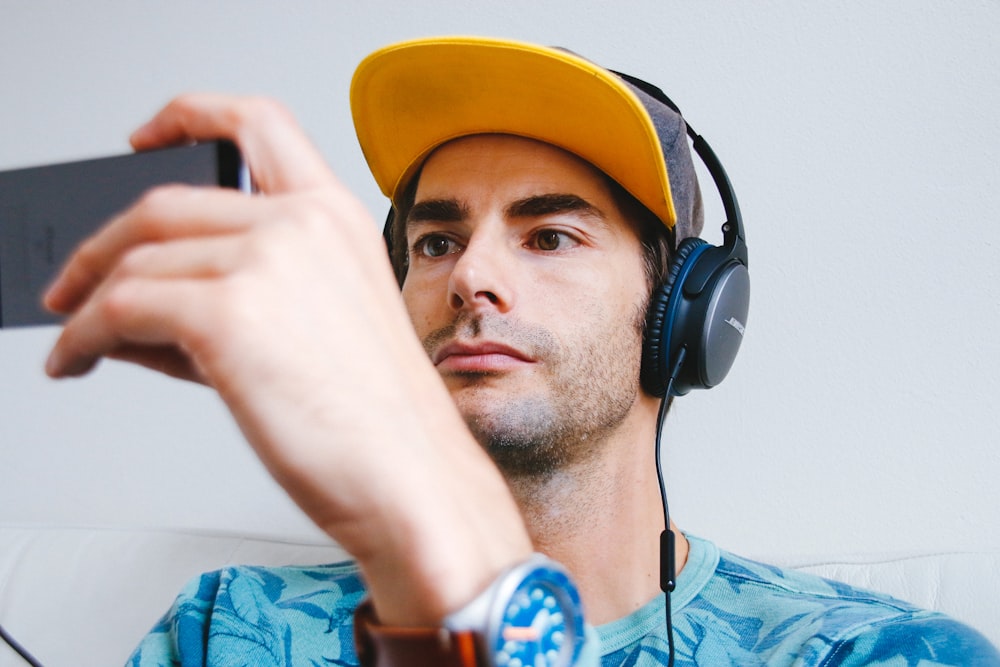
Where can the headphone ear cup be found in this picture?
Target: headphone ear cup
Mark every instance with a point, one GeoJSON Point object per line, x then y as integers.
{"type": "Point", "coordinates": [654, 373]}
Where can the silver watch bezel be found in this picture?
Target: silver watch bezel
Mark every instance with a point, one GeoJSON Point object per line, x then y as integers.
{"type": "Point", "coordinates": [484, 614]}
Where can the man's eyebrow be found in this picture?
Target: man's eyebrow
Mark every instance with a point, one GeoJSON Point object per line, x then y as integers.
{"type": "Point", "coordinates": [535, 206]}
{"type": "Point", "coordinates": [437, 210]}
{"type": "Point", "coordinates": [549, 204]}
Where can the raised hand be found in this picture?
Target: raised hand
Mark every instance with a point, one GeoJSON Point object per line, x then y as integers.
{"type": "Point", "coordinates": [285, 303]}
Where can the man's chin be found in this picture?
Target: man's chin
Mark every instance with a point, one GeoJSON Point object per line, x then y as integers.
{"type": "Point", "coordinates": [509, 421]}
{"type": "Point", "coordinates": [483, 392]}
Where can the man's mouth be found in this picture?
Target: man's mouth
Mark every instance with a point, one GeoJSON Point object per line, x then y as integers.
{"type": "Point", "coordinates": [479, 357]}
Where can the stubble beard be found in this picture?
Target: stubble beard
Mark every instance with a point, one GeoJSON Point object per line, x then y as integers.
{"type": "Point", "coordinates": [585, 393]}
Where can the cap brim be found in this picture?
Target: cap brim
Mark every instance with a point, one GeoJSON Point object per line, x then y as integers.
{"type": "Point", "coordinates": [409, 98]}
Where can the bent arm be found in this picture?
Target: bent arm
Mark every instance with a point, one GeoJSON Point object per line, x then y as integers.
{"type": "Point", "coordinates": [285, 303]}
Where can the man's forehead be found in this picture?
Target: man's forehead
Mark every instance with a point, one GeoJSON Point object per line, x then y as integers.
{"type": "Point", "coordinates": [483, 160]}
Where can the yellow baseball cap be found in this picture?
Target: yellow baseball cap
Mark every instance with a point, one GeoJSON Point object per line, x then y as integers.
{"type": "Point", "coordinates": [409, 98]}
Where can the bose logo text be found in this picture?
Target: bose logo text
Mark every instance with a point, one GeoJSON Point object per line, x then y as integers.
{"type": "Point", "coordinates": [736, 324]}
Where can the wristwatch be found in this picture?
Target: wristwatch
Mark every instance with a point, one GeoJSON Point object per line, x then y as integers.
{"type": "Point", "coordinates": [528, 617]}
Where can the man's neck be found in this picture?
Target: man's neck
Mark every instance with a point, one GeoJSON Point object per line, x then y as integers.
{"type": "Point", "coordinates": [602, 519]}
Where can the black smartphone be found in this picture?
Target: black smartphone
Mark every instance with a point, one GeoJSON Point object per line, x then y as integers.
{"type": "Point", "coordinates": [46, 211]}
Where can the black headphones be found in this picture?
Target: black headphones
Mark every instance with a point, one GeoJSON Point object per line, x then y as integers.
{"type": "Point", "coordinates": [696, 318]}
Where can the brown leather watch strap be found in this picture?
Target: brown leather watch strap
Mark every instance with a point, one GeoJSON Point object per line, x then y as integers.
{"type": "Point", "coordinates": [384, 646]}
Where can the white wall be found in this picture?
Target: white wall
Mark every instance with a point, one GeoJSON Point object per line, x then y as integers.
{"type": "Point", "coordinates": [861, 138]}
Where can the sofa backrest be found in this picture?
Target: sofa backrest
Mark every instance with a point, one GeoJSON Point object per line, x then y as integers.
{"type": "Point", "coordinates": [84, 597]}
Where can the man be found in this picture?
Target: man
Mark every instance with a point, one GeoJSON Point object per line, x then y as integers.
{"type": "Point", "coordinates": [534, 195]}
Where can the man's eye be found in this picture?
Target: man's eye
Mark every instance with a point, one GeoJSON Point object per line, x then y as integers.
{"type": "Point", "coordinates": [435, 246]}
{"type": "Point", "coordinates": [549, 239]}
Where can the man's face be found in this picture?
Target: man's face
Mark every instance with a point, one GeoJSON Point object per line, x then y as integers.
{"type": "Point", "coordinates": [526, 286]}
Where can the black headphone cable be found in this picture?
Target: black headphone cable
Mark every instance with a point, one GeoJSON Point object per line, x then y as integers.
{"type": "Point", "coordinates": [668, 564]}
{"type": "Point", "coordinates": [20, 650]}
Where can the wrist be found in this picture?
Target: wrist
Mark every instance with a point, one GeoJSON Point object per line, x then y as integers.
{"type": "Point", "coordinates": [426, 567]}
{"type": "Point", "coordinates": [530, 612]}
{"type": "Point", "coordinates": [437, 538]}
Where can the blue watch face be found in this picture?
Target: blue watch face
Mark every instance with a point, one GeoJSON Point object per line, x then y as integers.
{"type": "Point", "coordinates": [542, 624]}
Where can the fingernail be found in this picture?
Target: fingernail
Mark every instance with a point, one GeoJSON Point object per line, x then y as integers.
{"type": "Point", "coordinates": [54, 284]}
{"type": "Point", "coordinates": [49, 294]}
{"type": "Point", "coordinates": [58, 367]}
{"type": "Point", "coordinates": [52, 365]}
{"type": "Point", "coordinates": [139, 137]}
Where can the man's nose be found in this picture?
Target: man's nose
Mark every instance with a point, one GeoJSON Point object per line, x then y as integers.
{"type": "Point", "coordinates": [483, 276]}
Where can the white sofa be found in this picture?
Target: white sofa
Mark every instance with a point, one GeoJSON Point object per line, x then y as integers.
{"type": "Point", "coordinates": [84, 596]}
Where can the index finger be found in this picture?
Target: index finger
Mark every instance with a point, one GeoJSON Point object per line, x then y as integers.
{"type": "Point", "coordinates": [280, 155]}
{"type": "Point", "coordinates": [167, 212]}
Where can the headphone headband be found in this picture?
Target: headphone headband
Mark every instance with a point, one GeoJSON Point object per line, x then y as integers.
{"type": "Point", "coordinates": [732, 229]}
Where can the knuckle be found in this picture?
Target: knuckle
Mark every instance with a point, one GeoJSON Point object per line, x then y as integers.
{"type": "Point", "coordinates": [304, 218]}
{"type": "Point", "coordinates": [183, 105]}
{"type": "Point", "coordinates": [257, 249]}
{"type": "Point", "coordinates": [265, 109]}
{"type": "Point", "coordinates": [157, 198]}
{"type": "Point", "coordinates": [135, 259]}
{"type": "Point", "coordinates": [117, 302]}
{"type": "Point", "coordinates": [88, 254]}
{"type": "Point", "coordinates": [312, 215]}
{"type": "Point", "coordinates": [184, 110]}
{"type": "Point", "coordinates": [250, 111]}
{"type": "Point", "coordinates": [236, 312]}
{"type": "Point", "coordinates": [151, 213]}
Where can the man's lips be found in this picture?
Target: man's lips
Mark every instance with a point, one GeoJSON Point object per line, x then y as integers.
{"type": "Point", "coordinates": [479, 357]}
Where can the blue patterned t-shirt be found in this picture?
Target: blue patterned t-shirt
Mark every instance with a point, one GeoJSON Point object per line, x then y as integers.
{"type": "Point", "coordinates": [726, 611]}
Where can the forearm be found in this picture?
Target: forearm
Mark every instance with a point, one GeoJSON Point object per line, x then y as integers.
{"type": "Point", "coordinates": [285, 303]}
